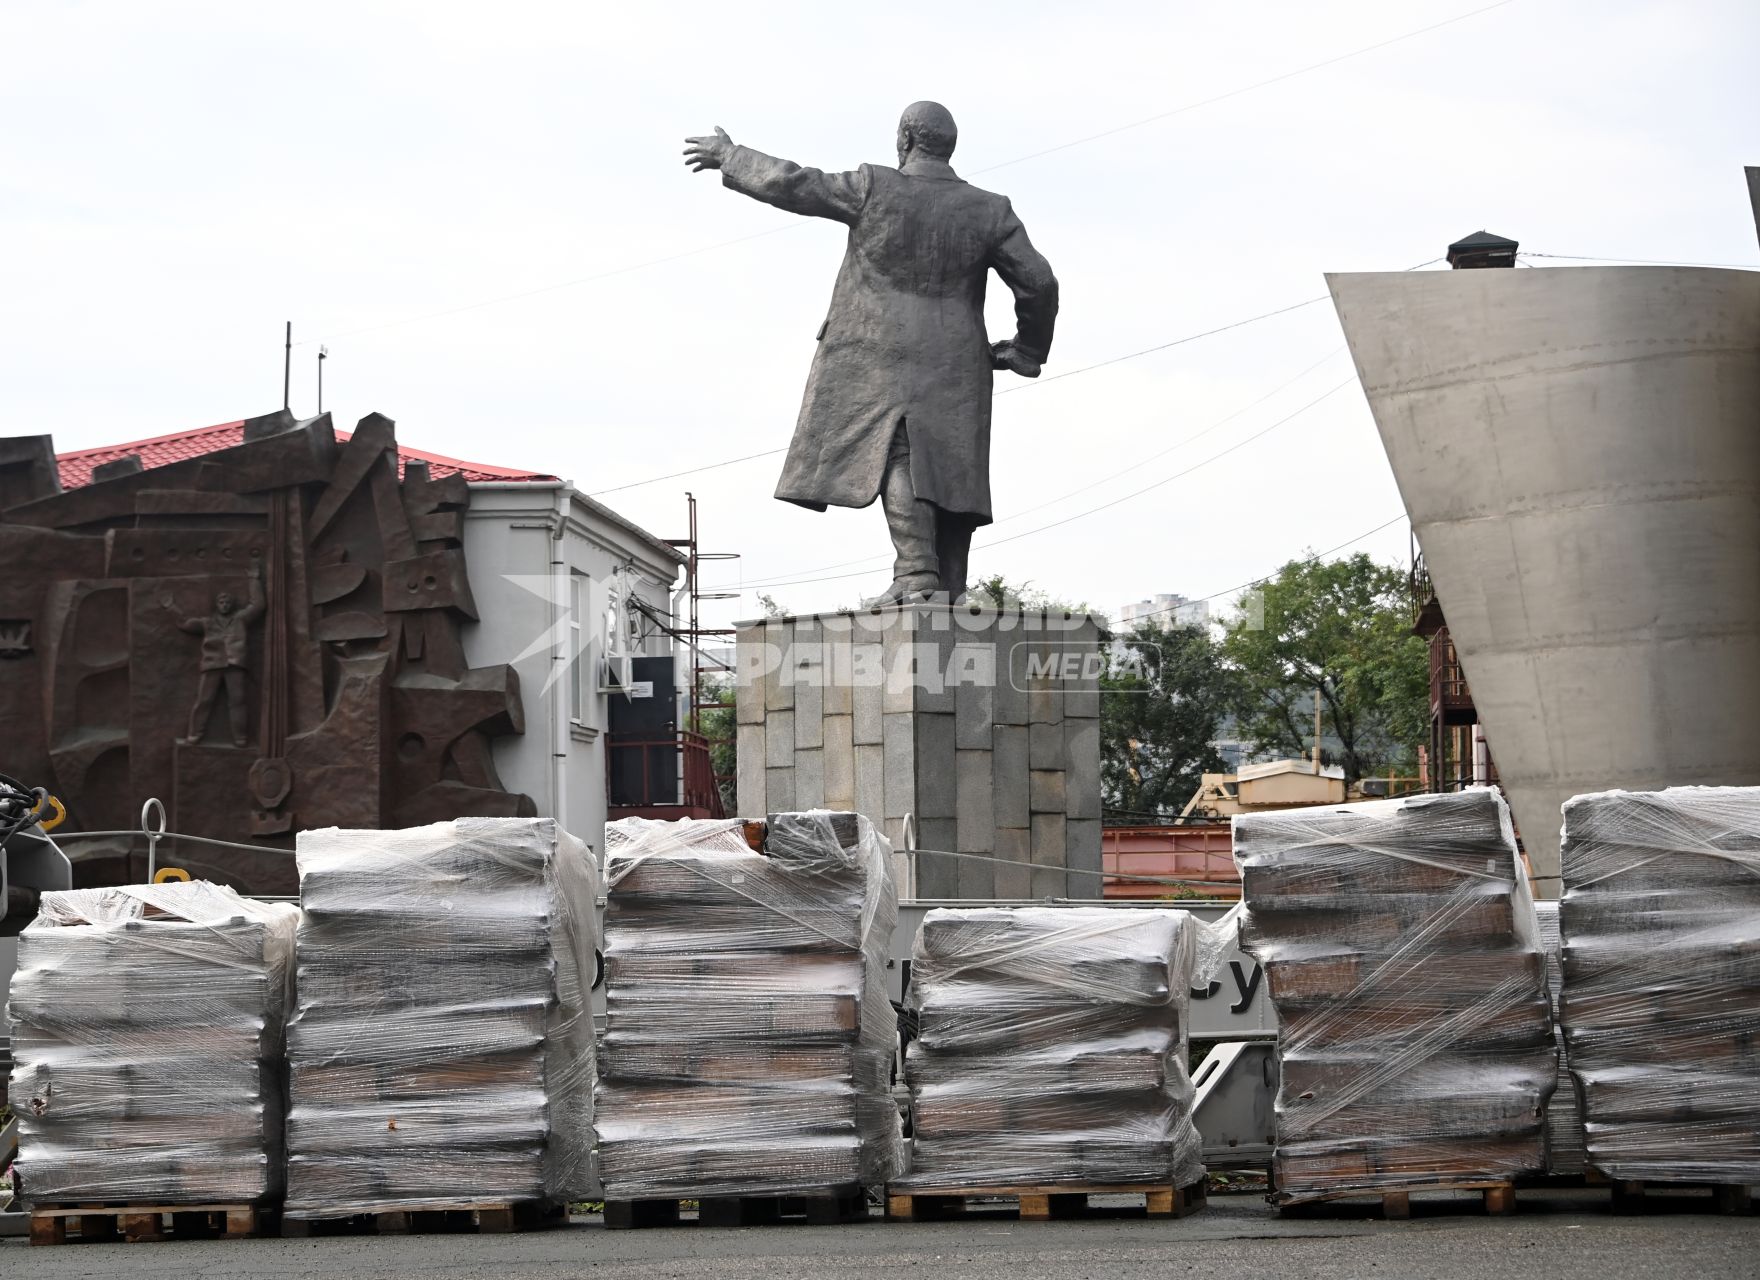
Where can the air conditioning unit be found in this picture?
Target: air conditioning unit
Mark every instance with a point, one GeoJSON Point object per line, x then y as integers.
{"type": "Point", "coordinates": [614, 673]}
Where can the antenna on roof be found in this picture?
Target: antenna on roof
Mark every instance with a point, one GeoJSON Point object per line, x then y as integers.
{"type": "Point", "coordinates": [287, 369]}
{"type": "Point", "coordinates": [323, 352]}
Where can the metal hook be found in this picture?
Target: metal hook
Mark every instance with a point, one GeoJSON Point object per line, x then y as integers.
{"type": "Point", "coordinates": [153, 836]}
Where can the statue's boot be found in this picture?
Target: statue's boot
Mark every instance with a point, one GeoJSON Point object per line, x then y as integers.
{"type": "Point", "coordinates": [953, 548]}
{"type": "Point", "coordinates": [916, 566]}
{"type": "Point", "coordinates": [913, 589]}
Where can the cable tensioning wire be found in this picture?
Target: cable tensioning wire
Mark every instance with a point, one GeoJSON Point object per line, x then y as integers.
{"type": "Point", "coordinates": [762, 584]}
{"type": "Point", "coordinates": [1315, 558]}
{"type": "Point", "coordinates": [1240, 444]}
{"type": "Point", "coordinates": [1028, 386]}
{"type": "Point", "coordinates": [1034, 155]}
{"type": "Point", "coordinates": [1642, 262]}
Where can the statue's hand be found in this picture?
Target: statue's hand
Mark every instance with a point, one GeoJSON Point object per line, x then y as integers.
{"type": "Point", "coordinates": [1005, 355]}
{"type": "Point", "coordinates": [706, 152]}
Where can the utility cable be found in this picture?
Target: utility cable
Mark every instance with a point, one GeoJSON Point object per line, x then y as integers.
{"type": "Point", "coordinates": [1642, 262]}
{"type": "Point", "coordinates": [1028, 386]}
{"type": "Point", "coordinates": [1022, 159]}
{"type": "Point", "coordinates": [1313, 558]}
{"type": "Point", "coordinates": [1135, 466]}
{"type": "Point", "coordinates": [856, 573]}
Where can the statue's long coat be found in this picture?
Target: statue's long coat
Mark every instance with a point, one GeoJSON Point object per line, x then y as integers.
{"type": "Point", "coordinates": [904, 341]}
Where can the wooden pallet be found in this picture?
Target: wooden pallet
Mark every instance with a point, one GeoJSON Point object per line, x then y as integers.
{"type": "Point", "coordinates": [65, 1224]}
{"type": "Point", "coordinates": [1628, 1195]}
{"type": "Point", "coordinates": [485, 1218]}
{"type": "Point", "coordinates": [820, 1208]}
{"type": "Point", "coordinates": [1499, 1195]}
{"type": "Point", "coordinates": [1040, 1203]}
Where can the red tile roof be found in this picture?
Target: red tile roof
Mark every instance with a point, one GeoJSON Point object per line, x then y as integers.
{"type": "Point", "coordinates": [76, 466]}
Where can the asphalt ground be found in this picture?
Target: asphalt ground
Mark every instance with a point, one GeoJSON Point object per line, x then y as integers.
{"type": "Point", "coordinates": [1555, 1235]}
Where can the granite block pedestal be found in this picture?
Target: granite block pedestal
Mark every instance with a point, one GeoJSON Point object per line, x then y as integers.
{"type": "Point", "coordinates": [962, 729]}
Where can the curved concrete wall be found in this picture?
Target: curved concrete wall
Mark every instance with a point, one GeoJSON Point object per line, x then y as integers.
{"type": "Point", "coordinates": [1579, 451]}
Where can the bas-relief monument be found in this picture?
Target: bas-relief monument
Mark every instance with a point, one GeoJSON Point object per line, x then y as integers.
{"type": "Point", "coordinates": [303, 579]}
{"type": "Point", "coordinates": [897, 404]}
{"type": "Point", "coordinates": [224, 658]}
{"type": "Point", "coordinates": [962, 729]}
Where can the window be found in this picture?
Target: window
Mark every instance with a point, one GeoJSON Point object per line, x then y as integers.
{"type": "Point", "coordinates": [580, 665]}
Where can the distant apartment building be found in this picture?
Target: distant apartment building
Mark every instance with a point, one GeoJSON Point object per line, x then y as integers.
{"type": "Point", "coordinates": [1164, 610]}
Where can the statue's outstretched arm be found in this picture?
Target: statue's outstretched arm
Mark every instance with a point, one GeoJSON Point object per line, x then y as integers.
{"type": "Point", "coordinates": [812, 193]}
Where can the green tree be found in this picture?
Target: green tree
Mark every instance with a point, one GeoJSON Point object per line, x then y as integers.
{"type": "Point", "coordinates": [1161, 702]}
{"type": "Point", "coordinates": [1342, 628]}
{"type": "Point", "coordinates": [998, 592]}
{"type": "Point", "coordinates": [719, 724]}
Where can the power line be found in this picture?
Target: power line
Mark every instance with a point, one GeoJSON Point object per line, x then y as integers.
{"type": "Point", "coordinates": [551, 288]}
{"type": "Point", "coordinates": [1215, 426]}
{"type": "Point", "coordinates": [872, 560]}
{"type": "Point", "coordinates": [1308, 559]}
{"type": "Point", "coordinates": [1235, 93]}
{"type": "Point", "coordinates": [784, 580]}
{"type": "Point", "coordinates": [1191, 337]}
{"type": "Point", "coordinates": [1641, 262]}
{"type": "Point", "coordinates": [688, 471]}
{"type": "Point", "coordinates": [1039, 382]}
{"type": "Point", "coordinates": [856, 573]}
{"type": "Point", "coordinates": [1022, 159]}
{"type": "Point", "coordinates": [1240, 444]}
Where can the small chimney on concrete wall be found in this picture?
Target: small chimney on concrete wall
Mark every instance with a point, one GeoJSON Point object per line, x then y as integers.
{"type": "Point", "coordinates": [1481, 249]}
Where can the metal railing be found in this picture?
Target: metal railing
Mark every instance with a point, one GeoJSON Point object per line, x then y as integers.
{"type": "Point", "coordinates": [154, 834]}
{"type": "Point", "coordinates": [676, 773]}
{"type": "Point", "coordinates": [1448, 680]}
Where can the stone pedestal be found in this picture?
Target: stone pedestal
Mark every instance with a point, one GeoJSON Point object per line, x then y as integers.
{"type": "Point", "coordinates": [978, 730]}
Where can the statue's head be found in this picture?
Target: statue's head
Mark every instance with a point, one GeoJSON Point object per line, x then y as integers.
{"type": "Point", "coordinates": [926, 129]}
{"type": "Point", "coordinates": [223, 603]}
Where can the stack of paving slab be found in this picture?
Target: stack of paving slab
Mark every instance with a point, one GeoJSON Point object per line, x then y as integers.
{"type": "Point", "coordinates": [1403, 958]}
{"type": "Point", "coordinates": [1565, 1150]}
{"type": "Point", "coordinates": [1052, 1048]}
{"type": "Point", "coordinates": [749, 1039]}
{"type": "Point", "coordinates": [147, 1026]}
{"type": "Point", "coordinates": [1661, 1007]}
{"type": "Point", "coordinates": [441, 1054]}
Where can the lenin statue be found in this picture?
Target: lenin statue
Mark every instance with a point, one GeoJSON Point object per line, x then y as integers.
{"type": "Point", "coordinates": [897, 404]}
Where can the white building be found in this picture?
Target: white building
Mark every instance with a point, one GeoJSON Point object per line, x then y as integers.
{"type": "Point", "coordinates": [1163, 610]}
{"type": "Point", "coordinates": [566, 588]}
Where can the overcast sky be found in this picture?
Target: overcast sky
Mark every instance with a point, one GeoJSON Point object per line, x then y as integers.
{"type": "Point", "coordinates": [177, 179]}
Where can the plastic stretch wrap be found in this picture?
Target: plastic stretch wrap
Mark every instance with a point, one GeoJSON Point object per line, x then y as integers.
{"type": "Point", "coordinates": [749, 1038]}
{"type": "Point", "coordinates": [1402, 955]}
{"type": "Point", "coordinates": [1661, 1007]}
{"type": "Point", "coordinates": [1052, 1047]}
{"type": "Point", "coordinates": [1564, 1113]}
{"type": "Point", "coordinates": [147, 1030]}
{"type": "Point", "coordinates": [441, 1051]}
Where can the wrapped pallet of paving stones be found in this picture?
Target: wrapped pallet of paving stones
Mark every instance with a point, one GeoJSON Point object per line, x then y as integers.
{"type": "Point", "coordinates": [147, 1030]}
{"type": "Point", "coordinates": [1564, 1113]}
{"type": "Point", "coordinates": [441, 1052]}
{"type": "Point", "coordinates": [1051, 1051]}
{"type": "Point", "coordinates": [1402, 955]}
{"type": "Point", "coordinates": [749, 1038]}
{"type": "Point", "coordinates": [1661, 1007]}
